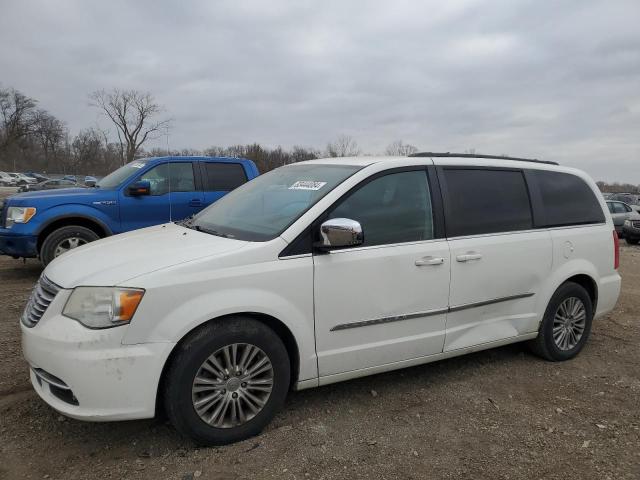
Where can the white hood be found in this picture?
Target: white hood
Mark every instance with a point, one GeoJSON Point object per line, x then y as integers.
{"type": "Point", "coordinates": [114, 260]}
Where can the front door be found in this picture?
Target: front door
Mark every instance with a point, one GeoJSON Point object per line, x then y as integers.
{"type": "Point", "coordinates": [498, 261]}
{"type": "Point", "coordinates": [386, 300]}
{"type": "Point", "coordinates": [172, 197]}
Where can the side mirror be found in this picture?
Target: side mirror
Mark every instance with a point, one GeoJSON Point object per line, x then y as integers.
{"type": "Point", "coordinates": [90, 183]}
{"type": "Point", "coordinates": [340, 233]}
{"type": "Point", "coordinates": [142, 187]}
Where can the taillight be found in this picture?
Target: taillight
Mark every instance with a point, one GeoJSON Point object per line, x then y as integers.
{"type": "Point", "coordinates": [616, 250]}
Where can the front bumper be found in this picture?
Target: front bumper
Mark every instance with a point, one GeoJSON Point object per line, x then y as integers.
{"type": "Point", "coordinates": [104, 379]}
{"type": "Point", "coordinates": [18, 245]}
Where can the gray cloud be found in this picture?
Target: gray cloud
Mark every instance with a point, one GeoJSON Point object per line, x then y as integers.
{"type": "Point", "coordinates": [556, 80]}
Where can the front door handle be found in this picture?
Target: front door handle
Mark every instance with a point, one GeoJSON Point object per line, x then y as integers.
{"type": "Point", "coordinates": [195, 203]}
{"type": "Point", "coordinates": [469, 256]}
{"type": "Point", "coordinates": [426, 261]}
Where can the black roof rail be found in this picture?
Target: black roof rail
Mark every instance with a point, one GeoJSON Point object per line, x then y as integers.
{"type": "Point", "coordinates": [479, 155]}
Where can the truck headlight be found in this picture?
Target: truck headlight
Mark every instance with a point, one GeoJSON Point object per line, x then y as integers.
{"type": "Point", "coordinates": [627, 223]}
{"type": "Point", "coordinates": [19, 215]}
{"type": "Point", "coordinates": [103, 307]}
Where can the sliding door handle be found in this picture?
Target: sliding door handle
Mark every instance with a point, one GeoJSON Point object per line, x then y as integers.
{"type": "Point", "coordinates": [469, 256]}
{"type": "Point", "coordinates": [426, 261]}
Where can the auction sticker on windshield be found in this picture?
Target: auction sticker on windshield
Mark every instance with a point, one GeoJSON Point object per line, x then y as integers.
{"type": "Point", "coordinates": [307, 185]}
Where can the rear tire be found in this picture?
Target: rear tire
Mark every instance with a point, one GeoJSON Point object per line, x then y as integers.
{"type": "Point", "coordinates": [203, 355]}
{"type": "Point", "coordinates": [566, 324]}
{"type": "Point", "coordinates": [632, 241]}
{"type": "Point", "coordinates": [63, 239]}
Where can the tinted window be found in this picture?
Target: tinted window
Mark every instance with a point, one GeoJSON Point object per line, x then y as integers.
{"type": "Point", "coordinates": [181, 178]}
{"type": "Point", "coordinates": [486, 201]}
{"type": "Point", "coordinates": [395, 208]}
{"type": "Point", "coordinates": [567, 199]}
{"type": "Point", "coordinates": [224, 176]}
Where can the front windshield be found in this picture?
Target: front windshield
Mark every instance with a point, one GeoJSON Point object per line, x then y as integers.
{"type": "Point", "coordinates": [263, 208]}
{"type": "Point", "coordinates": [118, 176]}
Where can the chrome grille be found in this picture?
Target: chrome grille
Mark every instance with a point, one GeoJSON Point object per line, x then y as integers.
{"type": "Point", "coordinates": [635, 223]}
{"type": "Point", "coordinates": [42, 295]}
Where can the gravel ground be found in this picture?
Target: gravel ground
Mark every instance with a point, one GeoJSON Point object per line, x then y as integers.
{"type": "Point", "coordinates": [501, 413]}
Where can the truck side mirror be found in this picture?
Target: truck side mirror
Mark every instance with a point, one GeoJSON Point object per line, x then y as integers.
{"type": "Point", "coordinates": [139, 188]}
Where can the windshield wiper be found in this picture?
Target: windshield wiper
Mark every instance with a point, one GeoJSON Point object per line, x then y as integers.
{"type": "Point", "coordinates": [209, 231]}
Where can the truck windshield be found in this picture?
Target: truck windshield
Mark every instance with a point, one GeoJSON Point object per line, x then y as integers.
{"type": "Point", "coordinates": [263, 208]}
{"type": "Point", "coordinates": [118, 176]}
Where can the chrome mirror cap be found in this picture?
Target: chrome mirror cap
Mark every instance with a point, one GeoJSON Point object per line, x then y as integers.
{"type": "Point", "coordinates": [339, 233]}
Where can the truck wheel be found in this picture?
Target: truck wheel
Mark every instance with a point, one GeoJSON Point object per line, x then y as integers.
{"type": "Point", "coordinates": [226, 381]}
{"type": "Point", "coordinates": [632, 241]}
{"type": "Point", "coordinates": [64, 239]}
{"type": "Point", "coordinates": [566, 324]}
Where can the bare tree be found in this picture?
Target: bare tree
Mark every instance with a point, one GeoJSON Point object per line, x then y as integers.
{"type": "Point", "coordinates": [400, 149]}
{"type": "Point", "coordinates": [344, 146]}
{"type": "Point", "coordinates": [17, 112]}
{"type": "Point", "coordinates": [50, 133]}
{"type": "Point", "coordinates": [134, 115]}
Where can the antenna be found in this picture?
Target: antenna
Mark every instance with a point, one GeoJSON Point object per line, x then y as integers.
{"type": "Point", "coordinates": [169, 173]}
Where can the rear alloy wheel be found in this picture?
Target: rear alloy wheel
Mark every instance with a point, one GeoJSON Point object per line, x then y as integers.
{"type": "Point", "coordinates": [64, 239]}
{"type": "Point", "coordinates": [566, 324]}
{"type": "Point", "coordinates": [226, 381]}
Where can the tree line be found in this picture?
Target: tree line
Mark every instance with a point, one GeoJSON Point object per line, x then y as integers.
{"type": "Point", "coordinates": [33, 139]}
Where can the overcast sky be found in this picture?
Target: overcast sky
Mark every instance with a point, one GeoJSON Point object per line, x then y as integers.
{"type": "Point", "coordinates": [555, 80]}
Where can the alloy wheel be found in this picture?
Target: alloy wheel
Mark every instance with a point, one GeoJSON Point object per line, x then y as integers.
{"type": "Point", "coordinates": [232, 385]}
{"type": "Point", "coordinates": [569, 323]}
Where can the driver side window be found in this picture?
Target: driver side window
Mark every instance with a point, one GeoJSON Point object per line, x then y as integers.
{"type": "Point", "coordinates": [394, 208]}
{"type": "Point", "coordinates": [181, 179]}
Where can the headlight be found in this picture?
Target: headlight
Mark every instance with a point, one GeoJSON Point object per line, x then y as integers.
{"type": "Point", "coordinates": [19, 215]}
{"type": "Point", "coordinates": [103, 307]}
{"type": "Point", "coordinates": [627, 223]}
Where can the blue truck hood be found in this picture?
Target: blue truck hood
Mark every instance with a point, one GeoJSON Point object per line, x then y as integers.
{"type": "Point", "coordinates": [46, 198]}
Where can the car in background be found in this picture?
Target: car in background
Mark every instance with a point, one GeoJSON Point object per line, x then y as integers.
{"type": "Point", "coordinates": [607, 195]}
{"type": "Point", "coordinates": [39, 178]}
{"type": "Point", "coordinates": [48, 185]}
{"type": "Point", "coordinates": [7, 180]}
{"type": "Point", "coordinates": [70, 177]}
{"type": "Point", "coordinates": [620, 212]}
{"type": "Point", "coordinates": [22, 179]}
{"type": "Point", "coordinates": [631, 199]}
{"type": "Point", "coordinates": [145, 192]}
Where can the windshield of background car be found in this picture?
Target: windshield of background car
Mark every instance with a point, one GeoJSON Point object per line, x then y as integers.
{"type": "Point", "coordinates": [263, 208]}
{"type": "Point", "coordinates": [118, 176]}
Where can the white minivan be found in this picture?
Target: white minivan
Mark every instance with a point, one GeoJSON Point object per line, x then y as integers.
{"type": "Point", "coordinates": [319, 272]}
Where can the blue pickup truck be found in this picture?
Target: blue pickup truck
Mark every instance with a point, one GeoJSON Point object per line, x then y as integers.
{"type": "Point", "coordinates": [142, 193]}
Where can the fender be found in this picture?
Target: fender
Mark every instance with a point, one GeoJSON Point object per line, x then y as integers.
{"type": "Point", "coordinates": [74, 210]}
{"type": "Point", "coordinates": [560, 275]}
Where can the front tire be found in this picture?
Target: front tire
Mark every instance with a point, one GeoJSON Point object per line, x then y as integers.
{"type": "Point", "coordinates": [63, 239]}
{"type": "Point", "coordinates": [566, 324]}
{"type": "Point", "coordinates": [226, 381]}
{"type": "Point", "coordinates": [632, 241]}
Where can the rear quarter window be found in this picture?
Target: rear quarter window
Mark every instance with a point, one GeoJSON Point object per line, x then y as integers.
{"type": "Point", "coordinates": [566, 199]}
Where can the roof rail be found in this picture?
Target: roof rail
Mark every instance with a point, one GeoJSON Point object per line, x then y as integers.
{"type": "Point", "coordinates": [479, 155]}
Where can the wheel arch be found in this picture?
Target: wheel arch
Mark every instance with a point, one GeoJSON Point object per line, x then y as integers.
{"type": "Point", "coordinates": [279, 327]}
{"type": "Point", "coordinates": [93, 224]}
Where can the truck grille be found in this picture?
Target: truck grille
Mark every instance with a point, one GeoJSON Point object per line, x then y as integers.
{"type": "Point", "coordinates": [42, 295]}
{"type": "Point", "coordinates": [635, 223]}
{"type": "Point", "coordinates": [3, 215]}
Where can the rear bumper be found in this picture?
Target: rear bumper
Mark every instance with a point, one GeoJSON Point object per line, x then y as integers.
{"type": "Point", "coordinates": [18, 245]}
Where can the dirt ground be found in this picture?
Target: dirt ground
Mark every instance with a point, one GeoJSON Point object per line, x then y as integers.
{"type": "Point", "coordinates": [498, 414]}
